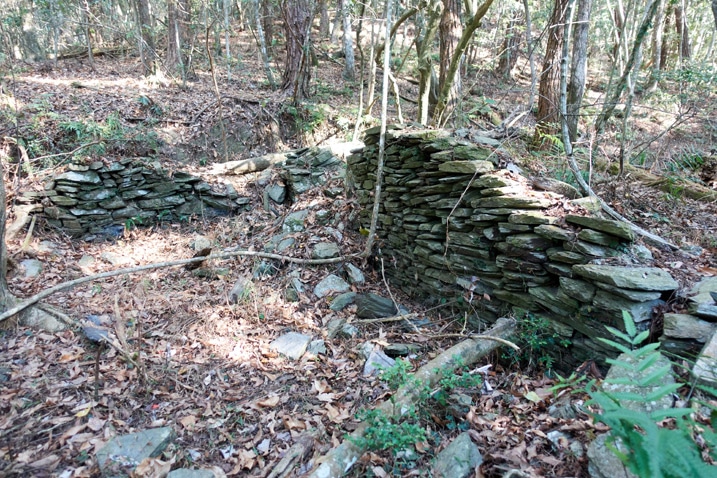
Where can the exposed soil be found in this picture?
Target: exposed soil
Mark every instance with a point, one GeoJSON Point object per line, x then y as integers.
{"type": "Point", "coordinates": [210, 375]}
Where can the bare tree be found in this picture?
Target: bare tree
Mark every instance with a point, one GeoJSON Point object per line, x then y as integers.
{"type": "Point", "coordinates": [350, 68]}
{"type": "Point", "coordinates": [451, 31]}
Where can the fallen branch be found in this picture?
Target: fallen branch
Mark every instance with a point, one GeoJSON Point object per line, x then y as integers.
{"type": "Point", "coordinates": [340, 459]}
{"type": "Point", "coordinates": [249, 165]}
{"type": "Point", "coordinates": [160, 265]}
{"type": "Point", "coordinates": [671, 184]}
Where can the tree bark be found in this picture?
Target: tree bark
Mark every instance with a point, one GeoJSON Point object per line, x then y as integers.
{"type": "Point", "coordinates": [509, 49]}
{"type": "Point", "coordinates": [548, 91]}
{"type": "Point", "coordinates": [297, 69]}
{"type": "Point", "coordinates": [470, 28]}
{"type": "Point", "coordinates": [578, 66]}
{"type": "Point", "coordinates": [147, 52]}
{"type": "Point", "coordinates": [267, 19]}
{"type": "Point", "coordinates": [350, 68]}
{"type": "Point", "coordinates": [261, 39]}
{"type": "Point", "coordinates": [451, 31]}
{"type": "Point", "coordinates": [714, 12]}
{"type": "Point", "coordinates": [324, 21]}
{"type": "Point", "coordinates": [425, 64]}
{"type": "Point", "coordinates": [178, 18]}
{"type": "Point", "coordinates": [657, 33]}
{"type": "Point", "coordinates": [683, 33]}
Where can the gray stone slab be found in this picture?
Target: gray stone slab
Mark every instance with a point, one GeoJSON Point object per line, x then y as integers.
{"type": "Point", "coordinates": [331, 284]}
{"type": "Point", "coordinates": [187, 473]}
{"type": "Point", "coordinates": [459, 459]}
{"type": "Point", "coordinates": [638, 278]}
{"type": "Point", "coordinates": [705, 369]}
{"type": "Point", "coordinates": [128, 451]}
{"type": "Point", "coordinates": [292, 345]}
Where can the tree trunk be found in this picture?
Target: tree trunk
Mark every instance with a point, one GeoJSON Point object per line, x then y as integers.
{"type": "Point", "coordinates": [548, 90]}
{"type": "Point", "coordinates": [178, 16]}
{"type": "Point", "coordinates": [657, 33]}
{"type": "Point", "coordinates": [297, 70]}
{"type": "Point", "coordinates": [665, 49]}
{"type": "Point", "coordinates": [451, 31]}
{"type": "Point", "coordinates": [531, 54]}
{"type": "Point", "coordinates": [324, 21]}
{"type": "Point", "coordinates": [509, 49]}
{"type": "Point", "coordinates": [439, 115]}
{"type": "Point", "coordinates": [578, 66]}
{"type": "Point", "coordinates": [86, 27]}
{"type": "Point", "coordinates": [350, 69]}
{"type": "Point", "coordinates": [261, 38]}
{"type": "Point", "coordinates": [267, 18]}
{"type": "Point", "coordinates": [337, 21]}
{"type": "Point", "coordinates": [683, 34]}
{"type": "Point", "coordinates": [714, 12]}
{"type": "Point", "coordinates": [146, 41]}
{"type": "Point", "coordinates": [425, 64]}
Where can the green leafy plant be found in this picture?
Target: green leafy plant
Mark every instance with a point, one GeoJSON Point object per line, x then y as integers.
{"type": "Point", "coordinates": [640, 439]}
{"type": "Point", "coordinates": [538, 342]}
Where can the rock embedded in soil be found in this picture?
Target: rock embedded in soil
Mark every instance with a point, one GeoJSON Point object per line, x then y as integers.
{"type": "Point", "coordinates": [458, 459]}
{"type": "Point", "coordinates": [325, 250]}
{"type": "Point", "coordinates": [123, 453]}
{"type": "Point", "coordinates": [331, 284]}
{"type": "Point", "coordinates": [292, 345]}
{"type": "Point", "coordinates": [372, 306]}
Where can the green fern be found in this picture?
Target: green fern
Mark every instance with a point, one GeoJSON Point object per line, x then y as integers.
{"type": "Point", "coordinates": [645, 448]}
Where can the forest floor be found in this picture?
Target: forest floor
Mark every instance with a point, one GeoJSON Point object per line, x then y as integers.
{"type": "Point", "coordinates": [234, 403]}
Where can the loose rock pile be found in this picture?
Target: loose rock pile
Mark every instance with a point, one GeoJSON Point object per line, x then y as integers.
{"type": "Point", "coordinates": [454, 224]}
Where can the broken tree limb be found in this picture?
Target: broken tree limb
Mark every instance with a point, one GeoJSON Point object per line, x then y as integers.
{"type": "Point", "coordinates": [340, 459]}
{"type": "Point", "coordinates": [671, 184]}
{"type": "Point", "coordinates": [246, 166]}
{"type": "Point", "coordinates": [159, 265]}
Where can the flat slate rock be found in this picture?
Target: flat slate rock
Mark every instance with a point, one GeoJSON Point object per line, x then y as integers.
{"type": "Point", "coordinates": [638, 278]}
{"type": "Point", "coordinates": [372, 306]}
{"type": "Point", "coordinates": [331, 284]}
{"type": "Point", "coordinates": [616, 228]}
{"type": "Point", "coordinates": [292, 345]}
{"type": "Point", "coordinates": [688, 327]}
{"type": "Point", "coordinates": [459, 459]}
{"type": "Point", "coordinates": [187, 473]}
{"type": "Point", "coordinates": [705, 369]}
{"type": "Point", "coordinates": [127, 451]}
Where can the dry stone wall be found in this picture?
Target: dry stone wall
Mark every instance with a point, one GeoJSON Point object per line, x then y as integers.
{"type": "Point", "coordinates": [92, 198]}
{"type": "Point", "coordinates": [454, 224]}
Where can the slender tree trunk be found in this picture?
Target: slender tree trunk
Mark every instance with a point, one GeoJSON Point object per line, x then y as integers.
{"type": "Point", "coordinates": [439, 115]}
{"type": "Point", "coordinates": [267, 18]}
{"type": "Point", "coordinates": [425, 64]}
{"type": "Point", "coordinates": [548, 91]}
{"type": "Point", "coordinates": [262, 44]}
{"type": "Point", "coordinates": [350, 69]}
{"type": "Point", "coordinates": [177, 35]}
{"type": "Point", "coordinates": [451, 31]}
{"type": "Point", "coordinates": [337, 21]}
{"type": "Point", "coordinates": [683, 34]}
{"type": "Point", "coordinates": [324, 21]}
{"type": "Point", "coordinates": [509, 49]}
{"type": "Point", "coordinates": [146, 41]}
{"type": "Point", "coordinates": [714, 12]}
{"type": "Point", "coordinates": [665, 49]}
{"type": "Point", "coordinates": [86, 27]}
{"type": "Point", "coordinates": [657, 32]}
{"type": "Point", "coordinates": [297, 70]}
{"type": "Point", "coordinates": [531, 54]}
{"type": "Point", "coordinates": [227, 44]}
{"type": "Point", "coordinates": [578, 66]}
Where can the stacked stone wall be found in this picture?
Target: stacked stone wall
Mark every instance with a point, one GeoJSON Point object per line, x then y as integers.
{"type": "Point", "coordinates": [91, 198]}
{"type": "Point", "coordinates": [454, 224]}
